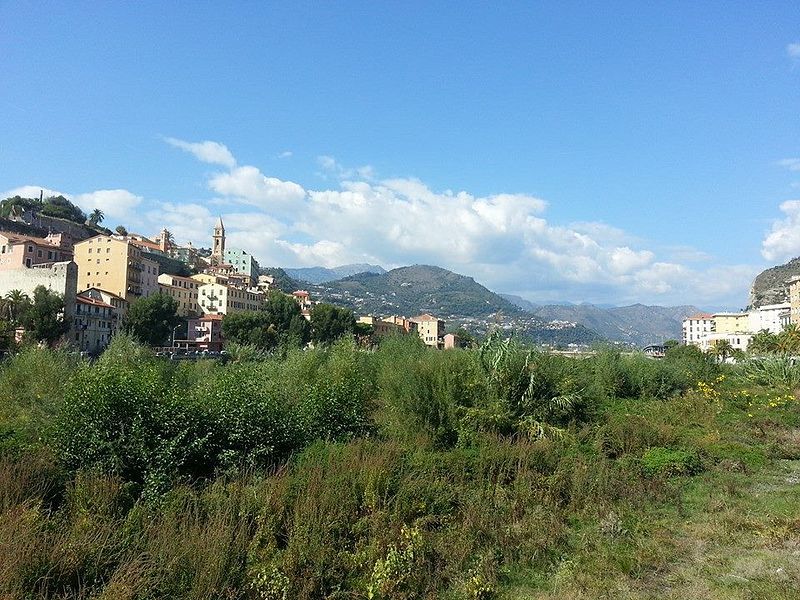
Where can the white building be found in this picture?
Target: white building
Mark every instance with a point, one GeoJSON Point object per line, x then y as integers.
{"type": "Point", "coordinates": [772, 317]}
{"type": "Point", "coordinates": [696, 328]}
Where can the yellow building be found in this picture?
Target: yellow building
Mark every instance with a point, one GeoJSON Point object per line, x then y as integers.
{"type": "Point", "coordinates": [204, 278]}
{"type": "Point", "coordinates": [115, 265]}
{"type": "Point", "coordinates": [430, 330]}
{"type": "Point", "coordinates": [184, 291]}
{"type": "Point", "coordinates": [381, 327]}
{"type": "Point", "coordinates": [729, 322]}
{"type": "Point", "coordinates": [216, 298]}
{"type": "Point", "coordinates": [794, 300]}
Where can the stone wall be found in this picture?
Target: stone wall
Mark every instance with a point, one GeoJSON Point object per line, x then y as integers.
{"type": "Point", "coordinates": [59, 277]}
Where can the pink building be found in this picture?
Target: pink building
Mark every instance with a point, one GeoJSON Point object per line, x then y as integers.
{"type": "Point", "coordinates": [23, 251]}
{"type": "Point", "coordinates": [204, 333]}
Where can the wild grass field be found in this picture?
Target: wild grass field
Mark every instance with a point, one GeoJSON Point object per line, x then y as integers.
{"type": "Point", "coordinates": [402, 473]}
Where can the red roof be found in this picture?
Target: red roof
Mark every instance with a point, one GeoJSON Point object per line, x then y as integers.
{"type": "Point", "coordinates": [92, 302]}
{"type": "Point", "coordinates": [301, 293]}
{"type": "Point", "coordinates": [699, 316]}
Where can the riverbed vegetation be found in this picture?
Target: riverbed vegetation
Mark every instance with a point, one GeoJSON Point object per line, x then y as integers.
{"type": "Point", "coordinates": [398, 473]}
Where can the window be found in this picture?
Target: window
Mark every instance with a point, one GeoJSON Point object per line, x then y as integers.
{"type": "Point", "coordinates": [30, 249]}
{"type": "Point", "coordinates": [39, 254]}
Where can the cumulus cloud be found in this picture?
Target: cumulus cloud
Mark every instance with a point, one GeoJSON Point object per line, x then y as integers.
{"type": "Point", "coordinates": [503, 240]}
{"type": "Point", "coordinates": [783, 240]}
{"type": "Point", "coordinates": [208, 152]}
{"type": "Point", "coordinates": [116, 204]}
{"type": "Point", "coordinates": [248, 184]}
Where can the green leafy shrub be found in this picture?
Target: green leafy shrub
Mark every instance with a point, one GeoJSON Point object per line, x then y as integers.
{"type": "Point", "coordinates": [668, 462]}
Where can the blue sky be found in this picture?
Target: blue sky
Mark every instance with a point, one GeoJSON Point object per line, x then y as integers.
{"type": "Point", "coordinates": [601, 152]}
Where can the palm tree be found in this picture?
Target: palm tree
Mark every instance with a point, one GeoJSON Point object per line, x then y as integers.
{"type": "Point", "coordinates": [96, 217]}
{"type": "Point", "coordinates": [763, 342]}
{"type": "Point", "coordinates": [15, 302]}
{"type": "Point", "coordinates": [789, 339]}
{"type": "Point", "coordinates": [722, 350]}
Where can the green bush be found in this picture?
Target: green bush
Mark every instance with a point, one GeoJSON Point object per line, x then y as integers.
{"type": "Point", "coordinates": [668, 462]}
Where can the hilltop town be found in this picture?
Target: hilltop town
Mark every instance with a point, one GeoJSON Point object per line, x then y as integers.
{"type": "Point", "coordinates": [100, 274]}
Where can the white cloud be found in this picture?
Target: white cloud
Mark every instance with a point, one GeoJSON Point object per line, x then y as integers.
{"type": "Point", "coordinates": [33, 191]}
{"type": "Point", "coordinates": [286, 154]}
{"type": "Point", "coordinates": [793, 50]}
{"type": "Point", "coordinates": [783, 240]}
{"type": "Point", "coordinates": [793, 164]}
{"type": "Point", "coordinates": [208, 152]}
{"type": "Point", "coordinates": [115, 204]}
{"type": "Point", "coordinates": [248, 184]}
{"type": "Point", "coordinates": [505, 241]}
{"type": "Point", "coordinates": [331, 166]}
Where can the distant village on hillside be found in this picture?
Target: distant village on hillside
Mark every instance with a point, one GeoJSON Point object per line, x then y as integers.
{"type": "Point", "coordinates": [100, 273]}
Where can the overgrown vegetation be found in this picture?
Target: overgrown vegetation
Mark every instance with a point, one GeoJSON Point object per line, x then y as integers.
{"type": "Point", "coordinates": [399, 473]}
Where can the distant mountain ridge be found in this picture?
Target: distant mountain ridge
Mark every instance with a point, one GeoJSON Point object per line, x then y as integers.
{"type": "Point", "coordinates": [637, 324]}
{"type": "Point", "coordinates": [319, 275]}
{"type": "Point", "coordinates": [458, 299]}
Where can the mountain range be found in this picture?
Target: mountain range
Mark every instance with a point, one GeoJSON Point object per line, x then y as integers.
{"type": "Point", "coordinates": [460, 299]}
{"type": "Point", "coordinates": [324, 275]}
{"type": "Point", "coordinates": [638, 324]}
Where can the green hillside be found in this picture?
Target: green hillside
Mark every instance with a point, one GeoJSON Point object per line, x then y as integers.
{"type": "Point", "coordinates": [418, 289]}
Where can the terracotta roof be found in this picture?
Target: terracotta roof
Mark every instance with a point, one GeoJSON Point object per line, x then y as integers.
{"type": "Point", "coordinates": [426, 317]}
{"type": "Point", "coordinates": [15, 238]}
{"type": "Point", "coordinates": [113, 295]}
{"type": "Point", "coordinates": [698, 316]}
{"type": "Point", "coordinates": [211, 317]}
{"type": "Point", "coordinates": [301, 293]}
{"type": "Point", "coordinates": [92, 301]}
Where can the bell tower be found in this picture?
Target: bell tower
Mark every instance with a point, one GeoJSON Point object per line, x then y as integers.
{"type": "Point", "coordinates": [218, 247]}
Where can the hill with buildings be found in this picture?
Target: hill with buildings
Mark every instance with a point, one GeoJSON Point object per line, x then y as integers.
{"type": "Point", "coordinates": [323, 275]}
{"type": "Point", "coordinates": [459, 300]}
{"type": "Point", "coordinates": [770, 286]}
{"type": "Point", "coordinates": [418, 289]}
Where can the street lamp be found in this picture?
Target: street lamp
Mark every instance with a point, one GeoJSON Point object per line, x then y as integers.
{"type": "Point", "coordinates": [174, 331]}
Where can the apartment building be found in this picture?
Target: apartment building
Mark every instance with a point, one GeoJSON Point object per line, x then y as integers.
{"type": "Point", "coordinates": [770, 317]}
{"type": "Point", "coordinates": [184, 290]}
{"type": "Point", "coordinates": [95, 322]}
{"type": "Point", "coordinates": [23, 251]}
{"type": "Point", "coordinates": [204, 333]}
{"type": "Point", "coordinates": [794, 300]}
{"type": "Point", "coordinates": [381, 327]}
{"type": "Point", "coordinates": [243, 262]}
{"type": "Point", "coordinates": [730, 322]}
{"type": "Point", "coordinates": [696, 327]}
{"type": "Point", "coordinates": [116, 265]}
{"type": "Point", "coordinates": [217, 298]}
{"type": "Point", "coordinates": [430, 330]}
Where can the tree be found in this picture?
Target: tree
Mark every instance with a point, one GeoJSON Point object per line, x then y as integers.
{"type": "Point", "coordinates": [43, 319]}
{"type": "Point", "coordinates": [96, 217]}
{"type": "Point", "coordinates": [671, 344]}
{"type": "Point", "coordinates": [153, 319]}
{"type": "Point", "coordinates": [121, 230]}
{"type": "Point", "coordinates": [58, 206]}
{"type": "Point", "coordinates": [14, 305]}
{"type": "Point", "coordinates": [329, 323]}
{"type": "Point", "coordinates": [763, 342]}
{"type": "Point", "coordinates": [722, 349]}
{"type": "Point", "coordinates": [789, 339]}
{"type": "Point", "coordinates": [285, 314]}
{"type": "Point", "coordinates": [250, 328]}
